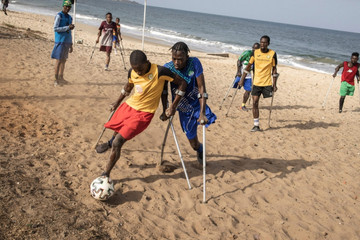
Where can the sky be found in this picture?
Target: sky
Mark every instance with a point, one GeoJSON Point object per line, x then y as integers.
{"type": "Point", "coordinates": [330, 14]}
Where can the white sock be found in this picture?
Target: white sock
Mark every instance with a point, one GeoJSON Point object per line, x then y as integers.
{"type": "Point", "coordinates": [256, 122]}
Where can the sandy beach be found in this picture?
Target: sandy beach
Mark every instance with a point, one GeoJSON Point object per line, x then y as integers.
{"type": "Point", "coordinates": [297, 179]}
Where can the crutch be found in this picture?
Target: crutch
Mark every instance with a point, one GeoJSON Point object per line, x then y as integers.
{"type": "Point", "coordinates": [272, 100]}
{"type": "Point", "coordinates": [122, 54]}
{"type": "Point", "coordinates": [103, 130]}
{"type": "Point", "coordinates": [122, 46]}
{"type": "Point", "coordinates": [332, 82]}
{"type": "Point", "coordinates": [165, 137]}
{"type": "Point", "coordinates": [232, 101]}
{"type": "Point", "coordinates": [181, 158]}
{"type": "Point", "coordinates": [92, 53]}
{"type": "Point", "coordinates": [227, 93]}
{"type": "Point", "coordinates": [204, 163]}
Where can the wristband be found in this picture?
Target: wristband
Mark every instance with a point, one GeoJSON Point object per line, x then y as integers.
{"type": "Point", "coordinates": [204, 95]}
{"type": "Point", "coordinates": [276, 75]}
{"type": "Point", "coordinates": [245, 71]}
{"type": "Point", "coordinates": [180, 93]}
{"type": "Point", "coordinates": [125, 93]}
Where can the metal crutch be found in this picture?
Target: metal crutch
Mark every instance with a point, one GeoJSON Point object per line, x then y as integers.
{"type": "Point", "coordinates": [272, 100]}
{"type": "Point", "coordinates": [332, 82]}
{"type": "Point", "coordinates": [227, 93]}
{"type": "Point", "coordinates": [103, 130]}
{"type": "Point", "coordinates": [204, 164]}
{"type": "Point", "coordinates": [181, 158]}
{"type": "Point", "coordinates": [92, 53]}
{"type": "Point", "coordinates": [164, 141]}
{"type": "Point", "coordinates": [231, 101]}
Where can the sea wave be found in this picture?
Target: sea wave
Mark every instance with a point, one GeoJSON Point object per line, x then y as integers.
{"type": "Point", "coordinates": [168, 36]}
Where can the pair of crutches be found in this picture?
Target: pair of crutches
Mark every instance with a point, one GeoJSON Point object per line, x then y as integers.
{"type": "Point", "coordinates": [170, 124]}
{"type": "Point", "coordinates": [122, 52]}
{"type": "Point", "coordinates": [271, 105]}
{"type": "Point", "coordinates": [232, 100]}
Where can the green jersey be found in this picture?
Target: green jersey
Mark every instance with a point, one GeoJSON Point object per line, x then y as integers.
{"type": "Point", "coordinates": [245, 57]}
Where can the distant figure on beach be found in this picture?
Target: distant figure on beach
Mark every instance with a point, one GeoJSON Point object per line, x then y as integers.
{"type": "Point", "coordinates": [351, 69]}
{"type": "Point", "coordinates": [5, 4]}
{"type": "Point", "coordinates": [192, 108]}
{"type": "Point", "coordinates": [63, 41]}
{"type": "Point", "coordinates": [265, 62]}
{"type": "Point", "coordinates": [107, 28]}
{"type": "Point", "coordinates": [134, 115]}
{"type": "Point", "coordinates": [244, 61]}
{"type": "Point", "coordinates": [117, 37]}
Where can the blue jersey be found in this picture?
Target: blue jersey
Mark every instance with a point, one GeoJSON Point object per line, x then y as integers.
{"type": "Point", "coordinates": [193, 69]}
{"type": "Point", "coordinates": [61, 28]}
{"type": "Point", "coordinates": [189, 105]}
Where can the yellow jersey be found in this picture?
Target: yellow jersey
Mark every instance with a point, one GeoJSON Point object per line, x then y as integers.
{"type": "Point", "coordinates": [148, 88]}
{"type": "Point", "coordinates": [263, 64]}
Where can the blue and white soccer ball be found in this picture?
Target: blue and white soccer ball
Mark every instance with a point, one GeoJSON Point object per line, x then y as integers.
{"type": "Point", "coordinates": [102, 188]}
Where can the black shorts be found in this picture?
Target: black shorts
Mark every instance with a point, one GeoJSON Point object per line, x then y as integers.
{"type": "Point", "coordinates": [266, 91]}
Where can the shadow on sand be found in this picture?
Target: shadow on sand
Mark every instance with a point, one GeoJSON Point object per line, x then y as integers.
{"type": "Point", "coordinates": [216, 164]}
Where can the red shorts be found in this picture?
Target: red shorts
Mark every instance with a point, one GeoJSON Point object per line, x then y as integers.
{"type": "Point", "coordinates": [129, 122]}
{"type": "Point", "coordinates": [106, 49]}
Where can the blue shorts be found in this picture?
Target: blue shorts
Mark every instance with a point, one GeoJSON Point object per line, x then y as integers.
{"type": "Point", "coordinates": [61, 51]}
{"type": "Point", "coordinates": [247, 83]}
{"type": "Point", "coordinates": [114, 38]}
{"type": "Point", "coordinates": [188, 121]}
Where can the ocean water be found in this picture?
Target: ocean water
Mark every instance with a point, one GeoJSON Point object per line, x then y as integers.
{"type": "Point", "coordinates": [303, 47]}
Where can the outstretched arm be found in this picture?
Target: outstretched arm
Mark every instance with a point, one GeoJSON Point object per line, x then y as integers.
{"type": "Point", "coordinates": [98, 36]}
{"type": "Point", "coordinates": [202, 98]}
{"type": "Point", "coordinates": [337, 69]}
{"type": "Point", "coordinates": [243, 76]}
{"type": "Point", "coordinates": [180, 93]}
{"type": "Point", "coordinates": [164, 101]}
{"type": "Point", "coordinates": [124, 93]}
{"type": "Point", "coordinates": [275, 76]}
{"type": "Point", "coordinates": [239, 68]}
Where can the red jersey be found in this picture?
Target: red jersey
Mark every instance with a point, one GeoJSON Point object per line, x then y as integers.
{"type": "Point", "coordinates": [348, 73]}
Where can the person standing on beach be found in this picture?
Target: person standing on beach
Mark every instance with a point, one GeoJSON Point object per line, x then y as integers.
{"type": "Point", "coordinates": [351, 69]}
{"type": "Point", "coordinates": [192, 108]}
{"type": "Point", "coordinates": [244, 61]}
{"type": "Point", "coordinates": [5, 4]}
{"type": "Point", "coordinates": [265, 62]}
{"type": "Point", "coordinates": [135, 115]}
{"type": "Point", "coordinates": [107, 28]}
{"type": "Point", "coordinates": [115, 38]}
{"type": "Point", "coordinates": [63, 41]}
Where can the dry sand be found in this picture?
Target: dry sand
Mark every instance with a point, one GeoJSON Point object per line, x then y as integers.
{"type": "Point", "coordinates": [296, 180]}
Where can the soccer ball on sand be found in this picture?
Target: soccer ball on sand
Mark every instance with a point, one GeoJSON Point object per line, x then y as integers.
{"type": "Point", "coordinates": [102, 188]}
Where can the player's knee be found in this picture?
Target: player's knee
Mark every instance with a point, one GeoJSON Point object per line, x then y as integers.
{"type": "Point", "coordinates": [118, 141]}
